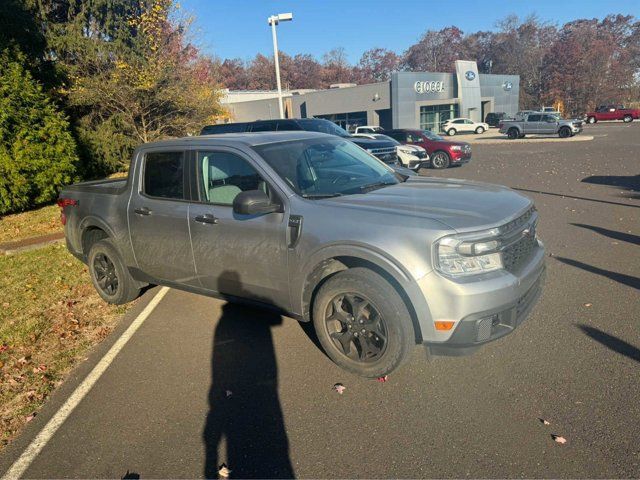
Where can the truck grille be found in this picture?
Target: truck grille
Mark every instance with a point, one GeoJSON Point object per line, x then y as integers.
{"type": "Point", "coordinates": [520, 237]}
{"type": "Point", "coordinates": [386, 154]}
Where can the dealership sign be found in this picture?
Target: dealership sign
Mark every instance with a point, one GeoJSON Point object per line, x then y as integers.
{"type": "Point", "coordinates": [429, 87]}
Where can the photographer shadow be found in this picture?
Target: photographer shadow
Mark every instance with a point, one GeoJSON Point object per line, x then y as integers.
{"type": "Point", "coordinates": [244, 406]}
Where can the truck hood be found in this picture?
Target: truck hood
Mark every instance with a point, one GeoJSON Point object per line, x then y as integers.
{"type": "Point", "coordinates": [460, 204]}
{"type": "Point", "coordinates": [368, 143]}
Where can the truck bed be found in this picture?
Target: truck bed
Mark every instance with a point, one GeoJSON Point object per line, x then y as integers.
{"type": "Point", "coordinates": [113, 186]}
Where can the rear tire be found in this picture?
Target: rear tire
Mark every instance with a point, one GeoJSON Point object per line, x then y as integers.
{"type": "Point", "coordinates": [440, 160]}
{"type": "Point", "coordinates": [627, 119]}
{"type": "Point", "coordinates": [109, 276]}
{"type": "Point", "coordinates": [513, 133]}
{"type": "Point", "coordinates": [362, 323]}
{"type": "Point", "coordinates": [451, 132]}
{"type": "Point", "coordinates": [479, 130]}
{"type": "Point", "coordinates": [565, 132]}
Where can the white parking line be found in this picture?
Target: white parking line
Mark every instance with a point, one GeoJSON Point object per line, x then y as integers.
{"type": "Point", "coordinates": [35, 447]}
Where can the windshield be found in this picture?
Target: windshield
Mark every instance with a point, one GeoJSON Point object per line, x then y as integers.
{"type": "Point", "coordinates": [323, 126]}
{"type": "Point", "coordinates": [326, 167]}
{"type": "Point", "coordinates": [432, 136]}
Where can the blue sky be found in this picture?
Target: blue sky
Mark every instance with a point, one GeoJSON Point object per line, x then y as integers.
{"type": "Point", "coordinates": [238, 28]}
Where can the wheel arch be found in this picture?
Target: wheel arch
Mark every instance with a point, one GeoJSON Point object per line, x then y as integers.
{"type": "Point", "coordinates": [93, 229]}
{"type": "Point", "coordinates": [324, 269]}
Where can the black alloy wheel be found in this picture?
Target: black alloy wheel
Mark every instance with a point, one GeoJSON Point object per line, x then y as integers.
{"type": "Point", "coordinates": [513, 133]}
{"type": "Point", "coordinates": [564, 132]}
{"type": "Point", "coordinates": [105, 274]}
{"type": "Point", "coordinates": [356, 327]}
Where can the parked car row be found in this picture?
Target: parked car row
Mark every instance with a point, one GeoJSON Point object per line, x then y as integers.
{"type": "Point", "coordinates": [438, 152]}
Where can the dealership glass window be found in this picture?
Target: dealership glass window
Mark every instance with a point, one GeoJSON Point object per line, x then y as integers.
{"type": "Point", "coordinates": [432, 117]}
{"type": "Point", "coordinates": [349, 121]}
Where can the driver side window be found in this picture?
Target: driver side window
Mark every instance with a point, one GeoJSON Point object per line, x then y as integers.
{"type": "Point", "coordinates": [224, 175]}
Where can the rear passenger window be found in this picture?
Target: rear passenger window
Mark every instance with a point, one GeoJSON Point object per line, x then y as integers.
{"type": "Point", "coordinates": [164, 175]}
{"type": "Point", "coordinates": [533, 118]}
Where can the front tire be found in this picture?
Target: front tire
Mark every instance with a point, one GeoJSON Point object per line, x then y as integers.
{"type": "Point", "coordinates": [109, 275]}
{"type": "Point", "coordinates": [513, 133]}
{"type": "Point", "coordinates": [440, 160]}
{"type": "Point", "coordinates": [627, 119]}
{"type": "Point", "coordinates": [591, 120]}
{"type": "Point", "coordinates": [565, 132]}
{"type": "Point", "coordinates": [479, 130]}
{"type": "Point", "coordinates": [451, 132]}
{"type": "Point", "coordinates": [362, 323]}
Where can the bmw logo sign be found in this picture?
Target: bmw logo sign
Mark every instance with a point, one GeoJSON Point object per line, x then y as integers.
{"type": "Point", "coordinates": [507, 86]}
{"type": "Point", "coordinates": [469, 75]}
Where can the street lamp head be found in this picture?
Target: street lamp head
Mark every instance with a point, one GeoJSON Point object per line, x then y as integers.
{"type": "Point", "coordinates": [281, 17]}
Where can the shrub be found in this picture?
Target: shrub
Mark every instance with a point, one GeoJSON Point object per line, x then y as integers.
{"type": "Point", "coordinates": [37, 152]}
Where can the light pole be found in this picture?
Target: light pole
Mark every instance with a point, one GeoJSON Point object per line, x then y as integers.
{"type": "Point", "coordinates": [273, 21]}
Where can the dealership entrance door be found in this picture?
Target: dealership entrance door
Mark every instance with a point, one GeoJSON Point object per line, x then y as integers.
{"type": "Point", "coordinates": [432, 117]}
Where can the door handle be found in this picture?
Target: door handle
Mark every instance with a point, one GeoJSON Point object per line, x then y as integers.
{"type": "Point", "coordinates": [142, 211]}
{"type": "Point", "coordinates": [207, 218]}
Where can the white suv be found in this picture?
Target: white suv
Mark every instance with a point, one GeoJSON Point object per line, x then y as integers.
{"type": "Point", "coordinates": [463, 125]}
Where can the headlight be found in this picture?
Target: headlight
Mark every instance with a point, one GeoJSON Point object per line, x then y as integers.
{"type": "Point", "coordinates": [462, 255]}
{"type": "Point", "coordinates": [405, 150]}
{"type": "Point", "coordinates": [456, 148]}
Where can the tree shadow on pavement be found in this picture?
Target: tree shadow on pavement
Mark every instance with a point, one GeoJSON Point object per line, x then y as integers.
{"type": "Point", "coordinates": [630, 183]}
{"type": "Point", "coordinates": [622, 236]}
{"type": "Point", "coordinates": [629, 280]}
{"type": "Point", "coordinates": [244, 406]}
{"type": "Point", "coordinates": [614, 343]}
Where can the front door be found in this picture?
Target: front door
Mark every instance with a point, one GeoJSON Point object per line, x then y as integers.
{"type": "Point", "coordinates": [548, 124]}
{"type": "Point", "coordinates": [239, 255]}
{"type": "Point", "coordinates": [158, 218]}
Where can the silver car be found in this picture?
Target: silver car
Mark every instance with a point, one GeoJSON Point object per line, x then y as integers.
{"type": "Point", "coordinates": [320, 230]}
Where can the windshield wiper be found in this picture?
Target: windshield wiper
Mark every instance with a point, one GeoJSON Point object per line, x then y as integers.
{"type": "Point", "coordinates": [320, 195]}
{"type": "Point", "coordinates": [374, 186]}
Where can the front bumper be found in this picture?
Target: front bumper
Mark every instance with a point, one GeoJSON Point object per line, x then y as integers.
{"type": "Point", "coordinates": [483, 310]}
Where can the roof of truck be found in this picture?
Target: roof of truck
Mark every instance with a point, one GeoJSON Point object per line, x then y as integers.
{"type": "Point", "coordinates": [250, 139]}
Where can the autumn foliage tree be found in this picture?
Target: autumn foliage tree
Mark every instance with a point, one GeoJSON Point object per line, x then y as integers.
{"type": "Point", "coordinates": [158, 87]}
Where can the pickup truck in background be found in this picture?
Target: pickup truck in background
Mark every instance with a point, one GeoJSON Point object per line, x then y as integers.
{"type": "Point", "coordinates": [538, 123]}
{"type": "Point", "coordinates": [312, 226]}
{"type": "Point", "coordinates": [613, 112]}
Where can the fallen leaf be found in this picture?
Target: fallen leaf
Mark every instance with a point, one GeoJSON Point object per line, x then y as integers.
{"type": "Point", "coordinates": [340, 388]}
{"type": "Point", "coordinates": [4, 347]}
{"type": "Point", "coordinates": [30, 417]}
{"type": "Point", "coordinates": [223, 471]}
{"type": "Point", "coordinates": [558, 439]}
{"type": "Point", "coordinates": [544, 422]}
{"type": "Point", "coordinates": [383, 379]}
{"type": "Point", "coordinates": [588, 304]}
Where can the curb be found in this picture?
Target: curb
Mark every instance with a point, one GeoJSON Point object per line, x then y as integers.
{"type": "Point", "coordinates": [11, 248]}
{"type": "Point", "coordinates": [504, 140]}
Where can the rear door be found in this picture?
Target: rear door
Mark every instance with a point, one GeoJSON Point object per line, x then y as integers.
{"type": "Point", "coordinates": [158, 211]}
{"type": "Point", "coordinates": [532, 123]}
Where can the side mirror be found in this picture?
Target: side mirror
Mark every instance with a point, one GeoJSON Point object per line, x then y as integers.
{"type": "Point", "coordinates": [253, 202]}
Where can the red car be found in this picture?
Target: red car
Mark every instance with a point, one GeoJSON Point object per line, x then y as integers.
{"type": "Point", "coordinates": [613, 112]}
{"type": "Point", "coordinates": [443, 153]}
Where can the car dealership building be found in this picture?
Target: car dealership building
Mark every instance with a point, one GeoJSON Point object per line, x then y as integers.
{"type": "Point", "coordinates": [421, 100]}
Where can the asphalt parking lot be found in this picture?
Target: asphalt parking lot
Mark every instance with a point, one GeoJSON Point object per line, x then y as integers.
{"type": "Point", "coordinates": [203, 382]}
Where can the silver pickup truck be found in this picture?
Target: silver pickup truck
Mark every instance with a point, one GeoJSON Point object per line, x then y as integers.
{"type": "Point", "coordinates": [538, 123]}
{"type": "Point", "coordinates": [320, 230]}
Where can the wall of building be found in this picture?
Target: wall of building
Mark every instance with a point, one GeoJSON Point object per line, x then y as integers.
{"type": "Point", "coordinates": [369, 98]}
{"type": "Point", "coordinates": [410, 90]}
{"type": "Point", "coordinates": [504, 89]}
